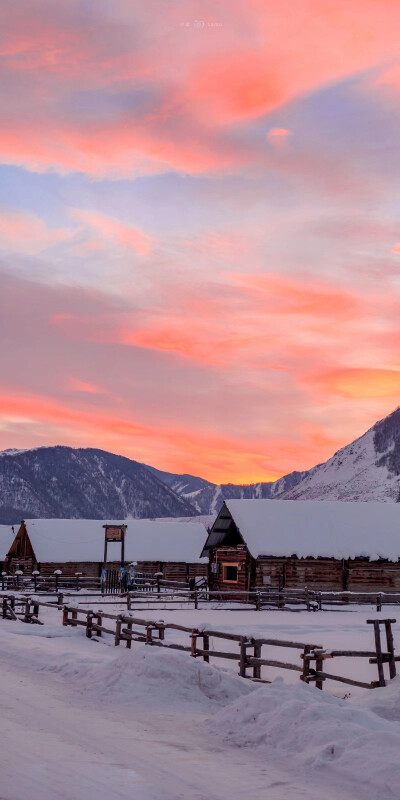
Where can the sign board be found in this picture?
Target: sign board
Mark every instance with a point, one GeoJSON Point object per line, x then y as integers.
{"type": "Point", "coordinates": [114, 534]}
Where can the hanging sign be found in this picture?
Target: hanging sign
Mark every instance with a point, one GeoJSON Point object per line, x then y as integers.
{"type": "Point", "coordinates": [114, 533]}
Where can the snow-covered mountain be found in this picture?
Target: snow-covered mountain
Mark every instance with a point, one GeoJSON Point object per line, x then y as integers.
{"type": "Point", "coordinates": [92, 484]}
{"type": "Point", "coordinates": [366, 469]}
{"type": "Point", "coordinates": [64, 482]}
{"type": "Point", "coordinates": [207, 497]}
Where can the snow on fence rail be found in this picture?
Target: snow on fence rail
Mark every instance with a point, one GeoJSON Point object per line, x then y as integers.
{"type": "Point", "coordinates": [127, 628]}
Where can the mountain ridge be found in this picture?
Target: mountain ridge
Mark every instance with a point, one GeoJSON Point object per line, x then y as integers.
{"type": "Point", "coordinates": [59, 481]}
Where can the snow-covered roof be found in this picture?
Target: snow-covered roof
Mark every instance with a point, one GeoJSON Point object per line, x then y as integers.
{"type": "Point", "coordinates": [6, 539]}
{"type": "Point", "coordinates": [73, 540]}
{"type": "Point", "coordinates": [318, 528]}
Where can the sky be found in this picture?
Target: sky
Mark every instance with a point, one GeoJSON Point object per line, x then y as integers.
{"type": "Point", "coordinates": [199, 229]}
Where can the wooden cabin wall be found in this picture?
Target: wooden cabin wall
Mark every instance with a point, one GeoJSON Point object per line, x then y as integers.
{"type": "Point", "coordinates": [87, 568]}
{"type": "Point", "coordinates": [293, 573]}
{"type": "Point", "coordinates": [370, 576]}
{"type": "Point", "coordinates": [328, 574]}
{"type": "Point", "coordinates": [231, 555]}
{"type": "Point", "coordinates": [197, 570]}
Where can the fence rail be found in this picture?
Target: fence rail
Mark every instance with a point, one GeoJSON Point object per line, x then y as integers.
{"type": "Point", "coordinates": [128, 628]}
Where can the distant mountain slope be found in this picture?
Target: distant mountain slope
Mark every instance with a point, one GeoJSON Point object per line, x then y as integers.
{"type": "Point", "coordinates": [87, 483]}
{"type": "Point", "coordinates": [207, 497]}
{"type": "Point", "coordinates": [64, 482]}
{"type": "Point", "coordinates": [366, 469]}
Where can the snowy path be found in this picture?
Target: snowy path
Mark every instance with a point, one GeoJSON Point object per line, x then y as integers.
{"type": "Point", "coordinates": [59, 742]}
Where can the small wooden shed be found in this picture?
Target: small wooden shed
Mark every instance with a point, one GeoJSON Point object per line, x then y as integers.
{"type": "Point", "coordinates": [325, 545]}
{"type": "Point", "coordinates": [77, 545]}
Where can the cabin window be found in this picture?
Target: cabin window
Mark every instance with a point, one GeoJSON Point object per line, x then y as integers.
{"type": "Point", "coordinates": [230, 573]}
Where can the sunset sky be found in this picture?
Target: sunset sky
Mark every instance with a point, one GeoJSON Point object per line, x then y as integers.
{"type": "Point", "coordinates": [199, 228]}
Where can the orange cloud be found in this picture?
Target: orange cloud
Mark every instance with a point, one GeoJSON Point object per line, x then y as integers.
{"type": "Point", "coordinates": [203, 452]}
{"type": "Point", "coordinates": [297, 296]}
{"type": "Point", "coordinates": [361, 383]}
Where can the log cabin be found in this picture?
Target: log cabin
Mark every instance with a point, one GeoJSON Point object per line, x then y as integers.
{"type": "Point", "coordinates": [168, 546]}
{"type": "Point", "coordinates": [7, 536]}
{"type": "Point", "coordinates": [324, 545]}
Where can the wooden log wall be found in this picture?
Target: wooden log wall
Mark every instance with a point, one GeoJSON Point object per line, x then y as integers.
{"type": "Point", "coordinates": [321, 574]}
{"type": "Point", "coordinates": [231, 555]}
{"type": "Point", "coordinates": [87, 568]}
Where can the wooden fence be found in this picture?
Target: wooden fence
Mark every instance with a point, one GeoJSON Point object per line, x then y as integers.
{"type": "Point", "coordinates": [144, 582]}
{"type": "Point", "coordinates": [127, 628]}
{"type": "Point", "coordinates": [308, 599]}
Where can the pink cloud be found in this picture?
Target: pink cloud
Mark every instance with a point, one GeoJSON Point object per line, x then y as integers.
{"type": "Point", "coordinates": [107, 228]}
{"type": "Point", "coordinates": [25, 232]}
{"type": "Point", "coordinates": [278, 137]}
{"type": "Point", "coordinates": [205, 81]}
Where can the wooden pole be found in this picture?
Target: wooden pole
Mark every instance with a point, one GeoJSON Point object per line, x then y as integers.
{"type": "Point", "coordinates": [319, 667]}
{"type": "Point", "coordinates": [206, 646]}
{"type": "Point", "coordinates": [257, 667]}
{"type": "Point", "coordinates": [306, 664]}
{"type": "Point", "coordinates": [378, 648]}
{"type": "Point", "coordinates": [118, 626]}
{"type": "Point", "coordinates": [390, 648]}
{"type": "Point", "coordinates": [243, 644]}
{"type": "Point", "coordinates": [129, 635]}
{"type": "Point", "coordinates": [89, 622]}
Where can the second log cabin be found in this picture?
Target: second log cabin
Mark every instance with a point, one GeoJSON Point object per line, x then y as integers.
{"type": "Point", "coordinates": [325, 545]}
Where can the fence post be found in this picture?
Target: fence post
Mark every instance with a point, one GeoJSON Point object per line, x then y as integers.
{"type": "Point", "coordinates": [27, 610]}
{"type": "Point", "coordinates": [319, 667]}
{"type": "Point", "coordinates": [196, 599]}
{"type": "Point", "coordinates": [89, 621]}
{"type": "Point", "coordinates": [306, 664]}
{"type": "Point", "coordinates": [379, 601]}
{"type": "Point", "coordinates": [243, 644]}
{"type": "Point", "coordinates": [258, 601]}
{"type": "Point", "coordinates": [193, 644]}
{"type": "Point", "coordinates": [99, 620]}
{"type": "Point", "coordinates": [118, 625]}
{"type": "Point", "coordinates": [129, 635]}
{"type": "Point", "coordinates": [378, 648]}
{"type": "Point", "coordinates": [257, 667]}
{"type": "Point", "coordinates": [307, 598]}
{"type": "Point", "coordinates": [65, 620]}
{"type": "Point", "coordinates": [5, 598]}
{"type": "Point", "coordinates": [57, 573]}
{"type": "Point", "coordinates": [161, 630]}
{"type": "Point", "coordinates": [35, 574]}
{"type": "Point", "coordinates": [206, 646]}
{"type": "Point", "coordinates": [390, 647]}
{"type": "Point", "coordinates": [60, 599]}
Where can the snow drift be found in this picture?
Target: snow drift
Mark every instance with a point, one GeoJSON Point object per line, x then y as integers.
{"type": "Point", "coordinates": [316, 730]}
{"type": "Point", "coordinates": [155, 677]}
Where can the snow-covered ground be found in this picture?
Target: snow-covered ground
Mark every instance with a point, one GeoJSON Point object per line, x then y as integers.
{"type": "Point", "coordinates": [83, 719]}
